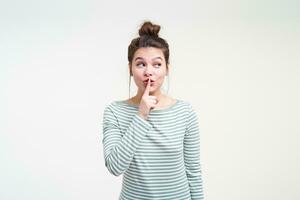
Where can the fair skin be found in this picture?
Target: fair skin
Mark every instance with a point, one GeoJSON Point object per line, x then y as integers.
{"type": "Point", "coordinates": [149, 69]}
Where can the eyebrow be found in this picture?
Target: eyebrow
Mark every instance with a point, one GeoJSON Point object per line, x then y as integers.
{"type": "Point", "coordinates": [143, 58]}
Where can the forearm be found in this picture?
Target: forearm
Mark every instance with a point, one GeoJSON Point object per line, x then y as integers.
{"type": "Point", "coordinates": [119, 150]}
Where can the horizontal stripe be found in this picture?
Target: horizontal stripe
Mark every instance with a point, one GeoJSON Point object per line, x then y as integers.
{"type": "Point", "coordinates": [159, 158]}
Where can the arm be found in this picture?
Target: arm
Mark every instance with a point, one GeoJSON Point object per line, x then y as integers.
{"type": "Point", "coordinates": [119, 150]}
{"type": "Point", "coordinates": [192, 156]}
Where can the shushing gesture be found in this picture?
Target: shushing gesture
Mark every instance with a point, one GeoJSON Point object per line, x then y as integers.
{"type": "Point", "coordinates": [147, 103]}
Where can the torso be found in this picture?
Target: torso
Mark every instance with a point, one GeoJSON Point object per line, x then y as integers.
{"type": "Point", "coordinates": [157, 168]}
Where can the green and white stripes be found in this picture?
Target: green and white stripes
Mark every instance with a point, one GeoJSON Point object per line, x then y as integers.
{"type": "Point", "coordinates": [159, 157]}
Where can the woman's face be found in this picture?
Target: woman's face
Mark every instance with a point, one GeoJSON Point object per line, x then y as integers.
{"type": "Point", "coordinates": [149, 62]}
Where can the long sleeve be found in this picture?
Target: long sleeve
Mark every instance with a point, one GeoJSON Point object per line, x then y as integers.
{"type": "Point", "coordinates": [119, 149]}
{"type": "Point", "coordinates": [192, 156]}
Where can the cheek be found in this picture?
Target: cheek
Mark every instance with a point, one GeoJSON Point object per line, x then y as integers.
{"type": "Point", "coordinates": [137, 75]}
{"type": "Point", "coordinates": [161, 76]}
{"type": "Point", "coordinates": [138, 80]}
{"type": "Point", "coordinates": [160, 80]}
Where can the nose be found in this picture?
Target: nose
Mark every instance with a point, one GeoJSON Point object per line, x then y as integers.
{"type": "Point", "coordinates": [148, 72]}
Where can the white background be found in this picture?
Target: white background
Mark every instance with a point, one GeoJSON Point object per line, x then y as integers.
{"type": "Point", "coordinates": [63, 61]}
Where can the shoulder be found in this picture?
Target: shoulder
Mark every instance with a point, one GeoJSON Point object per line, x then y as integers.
{"type": "Point", "coordinates": [111, 107]}
{"type": "Point", "coordinates": [186, 104]}
{"type": "Point", "coordinates": [112, 104]}
{"type": "Point", "coordinates": [189, 109]}
{"type": "Point", "coordinates": [119, 107]}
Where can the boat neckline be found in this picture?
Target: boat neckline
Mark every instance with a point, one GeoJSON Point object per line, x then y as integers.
{"type": "Point", "coordinates": [154, 110]}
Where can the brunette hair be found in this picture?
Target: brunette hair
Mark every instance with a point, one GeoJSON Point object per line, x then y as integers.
{"type": "Point", "coordinates": [148, 37]}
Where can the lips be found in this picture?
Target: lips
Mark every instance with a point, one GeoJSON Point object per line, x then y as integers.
{"type": "Point", "coordinates": [146, 81]}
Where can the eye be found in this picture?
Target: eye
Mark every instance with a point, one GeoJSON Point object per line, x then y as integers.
{"type": "Point", "coordinates": [139, 64]}
{"type": "Point", "coordinates": [157, 64]}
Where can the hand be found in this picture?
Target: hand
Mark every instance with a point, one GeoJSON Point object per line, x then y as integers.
{"type": "Point", "coordinates": [147, 103]}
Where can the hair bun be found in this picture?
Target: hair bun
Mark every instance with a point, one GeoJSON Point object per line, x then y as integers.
{"type": "Point", "coordinates": [149, 29]}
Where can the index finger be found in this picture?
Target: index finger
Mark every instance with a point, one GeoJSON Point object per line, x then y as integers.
{"type": "Point", "coordinates": [147, 89]}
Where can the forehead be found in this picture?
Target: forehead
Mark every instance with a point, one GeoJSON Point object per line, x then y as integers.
{"type": "Point", "coordinates": [148, 53]}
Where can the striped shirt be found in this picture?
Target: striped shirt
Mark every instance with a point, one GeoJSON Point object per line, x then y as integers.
{"type": "Point", "coordinates": [158, 157]}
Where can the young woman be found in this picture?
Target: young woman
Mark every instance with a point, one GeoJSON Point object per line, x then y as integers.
{"type": "Point", "coordinates": [152, 138]}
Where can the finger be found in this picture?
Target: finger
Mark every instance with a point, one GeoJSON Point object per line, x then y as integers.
{"type": "Point", "coordinates": [147, 90]}
{"type": "Point", "coordinates": [153, 101]}
{"type": "Point", "coordinates": [152, 97]}
{"type": "Point", "coordinates": [153, 106]}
